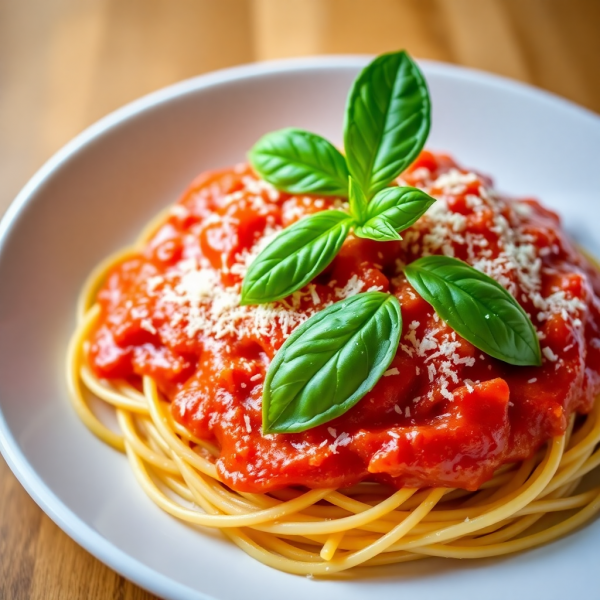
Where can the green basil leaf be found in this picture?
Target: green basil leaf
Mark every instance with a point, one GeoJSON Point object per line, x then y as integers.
{"type": "Point", "coordinates": [387, 120]}
{"type": "Point", "coordinates": [379, 229]}
{"type": "Point", "coordinates": [297, 255]}
{"type": "Point", "coordinates": [300, 162]}
{"type": "Point", "coordinates": [401, 206]}
{"type": "Point", "coordinates": [330, 362]}
{"type": "Point", "coordinates": [391, 210]}
{"type": "Point", "coordinates": [357, 200]}
{"type": "Point", "coordinates": [477, 307]}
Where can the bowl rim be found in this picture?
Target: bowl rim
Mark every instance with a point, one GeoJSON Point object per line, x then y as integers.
{"type": "Point", "coordinates": [75, 527]}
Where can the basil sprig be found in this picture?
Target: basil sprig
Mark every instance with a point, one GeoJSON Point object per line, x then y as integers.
{"type": "Point", "coordinates": [477, 307]}
{"type": "Point", "coordinates": [387, 120]}
{"type": "Point", "coordinates": [330, 362]}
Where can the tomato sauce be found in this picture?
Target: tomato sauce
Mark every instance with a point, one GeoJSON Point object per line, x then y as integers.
{"type": "Point", "coordinates": [444, 413]}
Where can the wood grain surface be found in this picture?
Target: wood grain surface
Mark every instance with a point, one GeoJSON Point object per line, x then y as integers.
{"type": "Point", "coordinates": [66, 63]}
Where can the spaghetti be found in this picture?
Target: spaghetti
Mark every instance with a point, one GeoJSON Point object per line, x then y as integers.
{"type": "Point", "coordinates": [327, 530]}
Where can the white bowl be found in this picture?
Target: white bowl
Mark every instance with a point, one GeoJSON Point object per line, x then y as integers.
{"type": "Point", "coordinates": [97, 193]}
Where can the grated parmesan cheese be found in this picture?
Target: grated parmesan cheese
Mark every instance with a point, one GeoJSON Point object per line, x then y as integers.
{"type": "Point", "coordinates": [342, 440]}
{"type": "Point", "coordinates": [148, 326]}
{"type": "Point", "coordinates": [247, 422]}
{"type": "Point", "coordinates": [353, 287]}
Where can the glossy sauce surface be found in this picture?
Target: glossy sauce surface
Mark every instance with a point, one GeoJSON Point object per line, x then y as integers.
{"type": "Point", "coordinates": [443, 414]}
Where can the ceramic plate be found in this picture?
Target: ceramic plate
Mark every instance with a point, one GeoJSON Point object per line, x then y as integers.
{"type": "Point", "coordinates": [96, 194]}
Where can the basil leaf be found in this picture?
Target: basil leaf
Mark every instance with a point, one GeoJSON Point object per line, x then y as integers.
{"type": "Point", "coordinates": [357, 200]}
{"type": "Point", "coordinates": [330, 362]}
{"type": "Point", "coordinates": [401, 206]}
{"type": "Point", "coordinates": [477, 307]}
{"type": "Point", "coordinates": [391, 210]}
{"type": "Point", "coordinates": [387, 120]}
{"type": "Point", "coordinates": [300, 162]}
{"type": "Point", "coordinates": [297, 255]}
{"type": "Point", "coordinates": [379, 229]}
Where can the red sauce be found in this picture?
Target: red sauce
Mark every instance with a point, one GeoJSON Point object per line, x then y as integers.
{"type": "Point", "coordinates": [444, 414]}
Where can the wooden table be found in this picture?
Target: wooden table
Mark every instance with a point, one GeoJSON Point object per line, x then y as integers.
{"type": "Point", "coordinates": [66, 63]}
